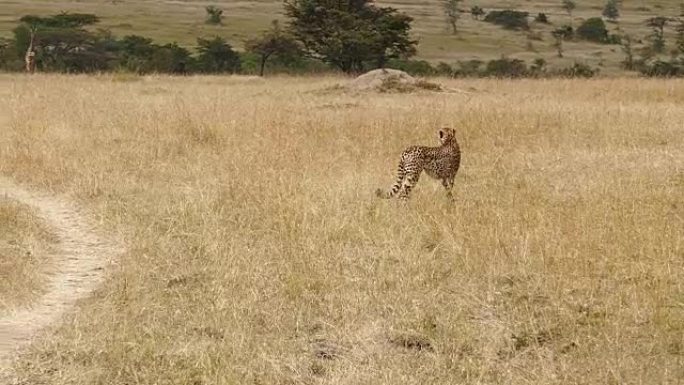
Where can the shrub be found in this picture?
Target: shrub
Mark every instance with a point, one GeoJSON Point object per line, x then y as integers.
{"type": "Point", "coordinates": [509, 19]}
{"type": "Point", "coordinates": [542, 18]}
{"type": "Point", "coordinates": [506, 68]}
{"type": "Point", "coordinates": [477, 12]}
{"type": "Point", "coordinates": [663, 69]}
{"type": "Point", "coordinates": [578, 70]}
{"type": "Point", "coordinates": [538, 67]}
{"type": "Point", "coordinates": [469, 68]}
{"type": "Point", "coordinates": [217, 56]}
{"type": "Point", "coordinates": [413, 67]}
{"type": "Point", "coordinates": [214, 15]}
{"type": "Point", "coordinates": [444, 69]}
{"type": "Point", "coordinates": [593, 29]}
{"type": "Point", "coordinates": [250, 63]}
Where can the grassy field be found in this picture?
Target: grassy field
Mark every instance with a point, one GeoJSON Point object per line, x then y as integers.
{"type": "Point", "coordinates": [183, 21]}
{"type": "Point", "coordinates": [25, 245]}
{"type": "Point", "coordinates": [258, 254]}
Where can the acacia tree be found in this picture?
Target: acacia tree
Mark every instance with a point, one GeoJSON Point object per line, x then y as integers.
{"type": "Point", "coordinates": [560, 35]}
{"type": "Point", "coordinates": [658, 24]}
{"type": "Point", "coordinates": [351, 35]}
{"type": "Point", "coordinates": [452, 13]}
{"type": "Point", "coordinates": [214, 14]}
{"type": "Point", "coordinates": [64, 44]}
{"type": "Point", "coordinates": [275, 41]}
{"type": "Point", "coordinates": [477, 12]}
{"type": "Point", "coordinates": [611, 10]}
{"type": "Point", "coordinates": [626, 43]}
{"type": "Point", "coordinates": [569, 6]}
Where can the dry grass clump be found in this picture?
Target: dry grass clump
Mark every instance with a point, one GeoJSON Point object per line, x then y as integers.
{"type": "Point", "coordinates": [258, 254]}
{"type": "Point", "coordinates": [25, 246]}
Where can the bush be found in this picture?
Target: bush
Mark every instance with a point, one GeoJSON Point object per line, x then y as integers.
{"type": "Point", "coordinates": [477, 12]}
{"type": "Point", "coordinates": [593, 29]}
{"type": "Point", "coordinates": [509, 19]}
{"type": "Point", "coordinates": [171, 59]}
{"type": "Point", "coordinates": [578, 70]}
{"type": "Point", "coordinates": [444, 69]}
{"type": "Point", "coordinates": [9, 60]}
{"type": "Point", "coordinates": [614, 39]}
{"type": "Point", "coordinates": [538, 67]}
{"type": "Point", "coordinates": [413, 67]}
{"type": "Point", "coordinates": [542, 18]}
{"type": "Point", "coordinates": [217, 56]}
{"type": "Point", "coordinates": [470, 68]}
{"type": "Point", "coordinates": [250, 63]}
{"type": "Point", "coordinates": [214, 15]}
{"type": "Point", "coordinates": [663, 69]}
{"type": "Point", "coordinates": [506, 68]}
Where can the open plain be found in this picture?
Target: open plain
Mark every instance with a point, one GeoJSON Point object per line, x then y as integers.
{"type": "Point", "coordinates": [256, 252]}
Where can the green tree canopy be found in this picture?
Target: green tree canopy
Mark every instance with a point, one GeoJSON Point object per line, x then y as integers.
{"type": "Point", "coordinates": [611, 10]}
{"type": "Point", "coordinates": [216, 56]}
{"type": "Point", "coordinates": [352, 35]}
{"type": "Point", "coordinates": [62, 20]}
{"type": "Point", "coordinates": [593, 29]}
{"type": "Point", "coordinates": [509, 19]}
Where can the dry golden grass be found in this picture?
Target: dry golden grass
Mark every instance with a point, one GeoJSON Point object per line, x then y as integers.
{"type": "Point", "coordinates": [258, 254]}
{"type": "Point", "coordinates": [25, 244]}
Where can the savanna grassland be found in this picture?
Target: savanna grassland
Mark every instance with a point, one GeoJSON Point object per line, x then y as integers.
{"type": "Point", "coordinates": [183, 22]}
{"type": "Point", "coordinates": [257, 253]}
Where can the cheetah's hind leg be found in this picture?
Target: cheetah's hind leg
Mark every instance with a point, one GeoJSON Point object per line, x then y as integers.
{"type": "Point", "coordinates": [412, 177]}
{"type": "Point", "coordinates": [448, 184]}
{"type": "Point", "coordinates": [401, 174]}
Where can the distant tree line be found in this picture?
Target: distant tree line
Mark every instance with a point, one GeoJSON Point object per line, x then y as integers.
{"type": "Point", "coordinates": [502, 67]}
{"type": "Point", "coordinates": [322, 35]}
{"type": "Point", "coordinates": [63, 44]}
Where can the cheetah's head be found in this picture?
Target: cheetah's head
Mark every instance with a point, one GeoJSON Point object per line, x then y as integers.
{"type": "Point", "coordinates": [446, 135]}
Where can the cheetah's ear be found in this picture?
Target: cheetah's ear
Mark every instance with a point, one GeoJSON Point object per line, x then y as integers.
{"type": "Point", "coordinates": [453, 132]}
{"type": "Point", "coordinates": [441, 133]}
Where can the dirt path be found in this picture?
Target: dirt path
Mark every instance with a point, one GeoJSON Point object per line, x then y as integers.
{"type": "Point", "coordinates": [79, 267]}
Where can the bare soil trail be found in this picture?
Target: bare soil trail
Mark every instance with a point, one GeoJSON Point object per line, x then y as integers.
{"type": "Point", "coordinates": [81, 256]}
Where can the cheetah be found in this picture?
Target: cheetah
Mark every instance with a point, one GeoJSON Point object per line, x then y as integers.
{"type": "Point", "coordinates": [438, 162]}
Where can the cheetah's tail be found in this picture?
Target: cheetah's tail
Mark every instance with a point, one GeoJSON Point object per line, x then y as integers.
{"type": "Point", "coordinates": [401, 173]}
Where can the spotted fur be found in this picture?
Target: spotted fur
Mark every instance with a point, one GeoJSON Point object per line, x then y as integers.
{"type": "Point", "coordinates": [438, 162]}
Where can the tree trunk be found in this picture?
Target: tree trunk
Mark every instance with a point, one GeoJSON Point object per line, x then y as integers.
{"type": "Point", "coordinates": [264, 58]}
{"type": "Point", "coordinates": [263, 64]}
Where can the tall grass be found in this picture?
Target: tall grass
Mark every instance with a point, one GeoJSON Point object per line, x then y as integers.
{"type": "Point", "coordinates": [258, 253]}
{"type": "Point", "coordinates": [25, 246]}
